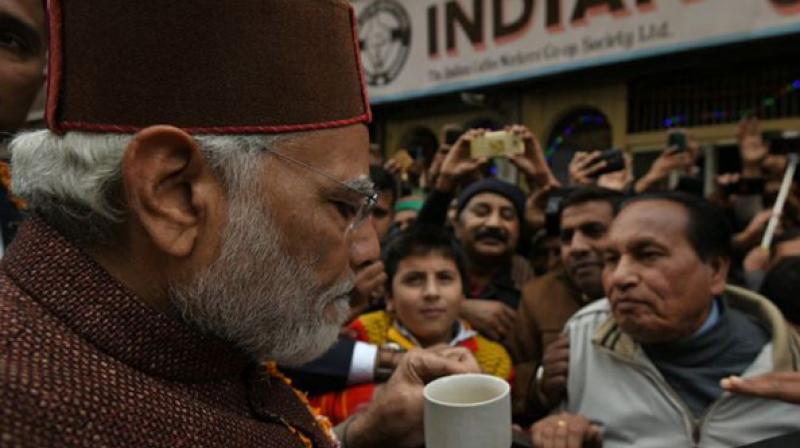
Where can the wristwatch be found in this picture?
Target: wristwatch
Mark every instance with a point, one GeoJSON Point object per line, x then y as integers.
{"type": "Point", "coordinates": [538, 386]}
{"type": "Point", "coordinates": [386, 361]}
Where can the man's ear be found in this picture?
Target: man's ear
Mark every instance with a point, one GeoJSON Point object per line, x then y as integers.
{"type": "Point", "coordinates": [170, 189]}
{"type": "Point", "coordinates": [719, 274]}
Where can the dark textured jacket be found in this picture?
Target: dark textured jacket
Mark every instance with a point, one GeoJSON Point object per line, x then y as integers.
{"type": "Point", "coordinates": [85, 363]}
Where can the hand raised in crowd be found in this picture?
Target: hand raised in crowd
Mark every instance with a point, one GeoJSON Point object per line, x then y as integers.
{"type": "Point", "coordinates": [394, 417]}
{"type": "Point", "coordinates": [532, 163]}
{"type": "Point", "coordinates": [751, 146]}
{"type": "Point", "coordinates": [436, 163]}
{"type": "Point", "coordinates": [459, 163]}
{"type": "Point", "coordinates": [584, 166]}
{"type": "Point", "coordinates": [618, 180]}
{"type": "Point", "coordinates": [566, 431]}
{"type": "Point", "coordinates": [555, 369]}
{"type": "Point", "coordinates": [670, 160]}
{"type": "Point", "coordinates": [784, 386]}
{"type": "Point", "coordinates": [392, 167]}
{"type": "Point", "coordinates": [369, 286]}
{"type": "Point", "coordinates": [751, 235]}
{"type": "Point", "coordinates": [756, 260]}
{"type": "Point", "coordinates": [724, 181]}
{"type": "Point", "coordinates": [535, 207]}
{"type": "Point", "coordinates": [491, 318]}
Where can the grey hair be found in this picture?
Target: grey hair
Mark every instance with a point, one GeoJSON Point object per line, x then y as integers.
{"type": "Point", "coordinates": [74, 181]}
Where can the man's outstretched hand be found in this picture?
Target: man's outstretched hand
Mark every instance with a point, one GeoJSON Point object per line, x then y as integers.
{"type": "Point", "coordinates": [394, 417]}
{"type": "Point", "coordinates": [784, 386]}
{"type": "Point", "coordinates": [566, 431]}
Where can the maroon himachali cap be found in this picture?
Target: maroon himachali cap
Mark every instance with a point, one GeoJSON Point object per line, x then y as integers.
{"type": "Point", "coordinates": [206, 66]}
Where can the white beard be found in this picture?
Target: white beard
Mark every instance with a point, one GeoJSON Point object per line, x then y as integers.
{"type": "Point", "coordinates": [258, 297]}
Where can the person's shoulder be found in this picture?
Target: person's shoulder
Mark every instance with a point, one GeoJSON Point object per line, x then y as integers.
{"type": "Point", "coordinates": [380, 317]}
{"type": "Point", "coordinates": [39, 359]}
{"type": "Point", "coordinates": [18, 314]}
{"type": "Point", "coordinates": [372, 327]}
{"type": "Point", "coordinates": [591, 315]}
{"type": "Point", "coordinates": [544, 287]}
{"type": "Point", "coordinates": [493, 357]}
{"type": "Point", "coordinates": [487, 344]}
{"type": "Point", "coordinates": [521, 271]}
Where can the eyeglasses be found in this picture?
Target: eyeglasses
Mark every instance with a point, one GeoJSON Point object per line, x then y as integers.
{"type": "Point", "coordinates": [365, 189]}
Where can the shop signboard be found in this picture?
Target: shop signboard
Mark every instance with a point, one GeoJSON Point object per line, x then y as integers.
{"type": "Point", "coordinates": [414, 48]}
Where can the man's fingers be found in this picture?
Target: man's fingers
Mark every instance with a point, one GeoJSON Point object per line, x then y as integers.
{"type": "Point", "coordinates": [507, 318]}
{"type": "Point", "coordinates": [561, 435]}
{"type": "Point", "coordinates": [375, 268]}
{"type": "Point", "coordinates": [589, 159]}
{"type": "Point", "coordinates": [781, 386]}
{"type": "Point", "coordinates": [561, 343]}
{"type": "Point", "coordinates": [428, 366]}
{"type": "Point", "coordinates": [377, 280]}
{"type": "Point", "coordinates": [594, 435]}
{"type": "Point", "coordinates": [595, 168]}
{"type": "Point", "coordinates": [556, 353]}
{"type": "Point", "coordinates": [547, 435]}
{"type": "Point", "coordinates": [557, 368]}
{"type": "Point", "coordinates": [459, 354]}
{"type": "Point", "coordinates": [536, 436]}
{"type": "Point", "coordinates": [576, 434]}
{"type": "Point", "coordinates": [464, 357]}
{"type": "Point", "coordinates": [510, 313]}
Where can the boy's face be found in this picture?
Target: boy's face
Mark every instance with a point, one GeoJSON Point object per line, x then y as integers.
{"type": "Point", "coordinates": [426, 297]}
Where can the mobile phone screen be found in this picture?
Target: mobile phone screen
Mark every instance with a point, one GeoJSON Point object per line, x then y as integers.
{"type": "Point", "coordinates": [677, 140]}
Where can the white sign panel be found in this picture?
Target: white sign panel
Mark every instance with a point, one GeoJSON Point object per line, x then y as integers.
{"type": "Point", "coordinates": [413, 48]}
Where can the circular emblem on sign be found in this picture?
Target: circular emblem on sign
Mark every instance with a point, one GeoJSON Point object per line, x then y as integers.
{"type": "Point", "coordinates": [385, 39]}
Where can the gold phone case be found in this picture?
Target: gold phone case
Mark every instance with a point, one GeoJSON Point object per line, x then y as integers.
{"type": "Point", "coordinates": [497, 144]}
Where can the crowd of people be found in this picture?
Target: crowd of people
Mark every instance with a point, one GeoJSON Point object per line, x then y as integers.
{"type": "Point", "coordinates": [209, 266]}
{"type": "Point", "coordinates": [651, 294]}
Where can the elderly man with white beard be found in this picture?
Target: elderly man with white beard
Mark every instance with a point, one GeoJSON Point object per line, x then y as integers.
{"type": "Point", "coordinates": [197, 211]}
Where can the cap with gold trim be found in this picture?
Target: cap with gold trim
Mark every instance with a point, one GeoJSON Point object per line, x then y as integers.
{"type": "Point", "coordinates": [206, 66]}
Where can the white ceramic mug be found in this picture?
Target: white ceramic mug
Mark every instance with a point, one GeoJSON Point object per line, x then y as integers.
{"type": "Point", "coordinates": [467, 411]}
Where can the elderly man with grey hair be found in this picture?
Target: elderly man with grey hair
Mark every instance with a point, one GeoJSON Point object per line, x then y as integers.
{"type": "Point", "coordinates": [197, 212]}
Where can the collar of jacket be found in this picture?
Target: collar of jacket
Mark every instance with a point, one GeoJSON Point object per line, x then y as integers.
{"type": "Point", "coordinates": [400, 335]}
{"type": "Point", "coordinates": [86, 299]}
{"type": "Point", "coordinates": [785, 341]}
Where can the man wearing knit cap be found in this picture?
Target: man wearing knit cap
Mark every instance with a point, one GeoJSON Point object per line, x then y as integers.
{"type": "Point", "coordinates": [489, 224]}
{"type": "Point", "coordinates": [198, 201]}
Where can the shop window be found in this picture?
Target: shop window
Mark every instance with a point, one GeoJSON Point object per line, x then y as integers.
{"type": "Point", "coordinates": [716, 96]}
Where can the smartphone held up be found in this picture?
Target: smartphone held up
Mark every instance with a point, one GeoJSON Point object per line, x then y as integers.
{"type": "Point", "coordinates": [677, 141]}
{"type": "Point", "coordinates": [614, 161]}
{"type": "Point", "coordinates": [496, 144]}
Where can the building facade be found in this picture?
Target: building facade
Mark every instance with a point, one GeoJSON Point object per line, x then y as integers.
{"type": "Point", "coordinates": [582, 74]}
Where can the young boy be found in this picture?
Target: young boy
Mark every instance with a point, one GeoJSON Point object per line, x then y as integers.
{"type": "Point", "coordinates": [426, 281]}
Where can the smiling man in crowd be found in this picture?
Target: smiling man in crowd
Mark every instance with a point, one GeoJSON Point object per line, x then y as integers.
{"type": "Point", "coordinates": [548, 302]}
{"type": "Point", "coordinates": [193, 226]}
{"type": "Point", "coordinates": [489, 223]}
{"type": "Point", "coordinates": [668, 334]}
